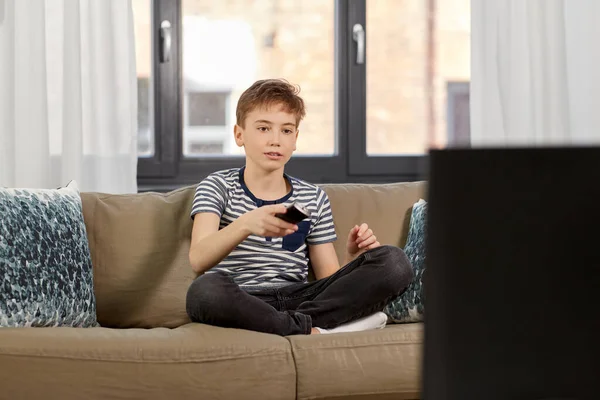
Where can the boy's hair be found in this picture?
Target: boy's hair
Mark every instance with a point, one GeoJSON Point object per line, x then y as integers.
{"type": "Point", "coordinates": [267, 92]}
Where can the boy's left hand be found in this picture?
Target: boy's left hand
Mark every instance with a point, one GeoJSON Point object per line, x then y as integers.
{"type": "Point", "coordinates": [360, 239]}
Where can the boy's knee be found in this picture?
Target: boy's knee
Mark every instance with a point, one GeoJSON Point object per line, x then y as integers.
{"type": "Point", "coordinates": [397, 271]}
{"type": "Point", "coordinates": [206, 292]}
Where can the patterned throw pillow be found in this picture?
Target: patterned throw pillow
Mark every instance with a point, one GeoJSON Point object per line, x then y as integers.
{"type": "Point", "coordinates": [45, 266]}
{"type": "Point", "coordinates": [409, 307]}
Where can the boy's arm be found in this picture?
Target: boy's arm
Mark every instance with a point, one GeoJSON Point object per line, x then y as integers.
{"type": "Point", "coordinates": [209, 245]}
{"type": "Point", "coordinates": [323, 259]}
{"type": "Point", "coordinates": [322, 255]}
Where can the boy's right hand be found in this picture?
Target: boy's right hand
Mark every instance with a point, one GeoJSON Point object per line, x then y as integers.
{"type": "Point", "coordinates": [263, 222]}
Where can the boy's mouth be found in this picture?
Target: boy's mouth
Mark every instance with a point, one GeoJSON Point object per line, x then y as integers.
{"type": "Point", "coordinates": [273, 155]}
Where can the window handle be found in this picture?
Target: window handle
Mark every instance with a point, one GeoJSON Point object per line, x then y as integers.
{"type": "Point", "coordinates": [358, 34]}
{"type": "Point", "coordinates": [165, 41]}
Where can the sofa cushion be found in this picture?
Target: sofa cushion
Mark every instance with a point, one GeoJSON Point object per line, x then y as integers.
{"type": "Point", "coordinates": [409, 307]}
{"type": "Point", "coordinates": [191, 362]}
{"type": "Point", "coordinates": [383, 363]}
{"type": "Point", "coordinates": [46, 276]}
{"type": "Point", "coordinates": [384, 207]}
{"type": "Point", "coordinates": [139, 246]}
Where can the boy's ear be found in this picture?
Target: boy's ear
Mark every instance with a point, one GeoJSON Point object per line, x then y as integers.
{"type": "Point", "coordinates": [238, 135]}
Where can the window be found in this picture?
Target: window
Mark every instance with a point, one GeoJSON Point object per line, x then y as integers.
{"type": "Point", "coordinates": [383, 81]}
{"type": "Point", "coordinates": [458, 125]}
{"type": "Point", "coordinates": [207, 124]}
{"type": "Point", "coordinates": [143, 40]}
{"type": "Point", "coordinates": [207, 109]}
{"type": "Point", "coordinates": [144, 120]}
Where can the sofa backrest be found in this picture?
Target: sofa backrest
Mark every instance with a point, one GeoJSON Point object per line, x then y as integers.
{"type": "Point", "coordinates": [139, 245]}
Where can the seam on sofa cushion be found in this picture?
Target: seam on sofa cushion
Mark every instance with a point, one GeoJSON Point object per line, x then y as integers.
{"type": "Point", "coordinates": [141, 361]}
{"type": "Point", "coordinates": [94, 236]}
{"type": "Point", "coordinates": [374, 184]}
{"type": "Point", "coordinates": [350, 396]}
{"type": "Point", "coordinates": [166, 194]}
{"type": "Point", "coordinates": [294, 363]}
{"type": "Point", "coordinates": [295, 346]}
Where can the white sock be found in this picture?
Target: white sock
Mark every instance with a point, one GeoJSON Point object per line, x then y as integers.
{"type": "Point", "coordinates": [373, 321]}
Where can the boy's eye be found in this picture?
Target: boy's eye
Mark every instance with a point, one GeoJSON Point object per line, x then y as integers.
{"type": "Point", "coordinates": [263, 128]}
{"type": "Point", "coordinates": [287, 131]}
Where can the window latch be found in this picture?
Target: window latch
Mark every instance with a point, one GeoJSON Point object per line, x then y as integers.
{"type": "Point", "coordinates": [358, 35]}
{"type": "Point", "coordinates": [165, 41]}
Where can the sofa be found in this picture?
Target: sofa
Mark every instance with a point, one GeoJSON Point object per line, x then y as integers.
{"type": "Point", "coordinates": [146, 347]}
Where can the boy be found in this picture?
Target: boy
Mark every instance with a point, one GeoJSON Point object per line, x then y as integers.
{"type": "Point", "coordinates": [254, 265]}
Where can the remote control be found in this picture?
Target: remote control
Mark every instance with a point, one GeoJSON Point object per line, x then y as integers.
{"type": "Point", "coordinates": [295, 213]}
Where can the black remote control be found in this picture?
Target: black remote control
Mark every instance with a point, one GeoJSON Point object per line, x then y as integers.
{"type": "Point", "coordinates": [295, 213]}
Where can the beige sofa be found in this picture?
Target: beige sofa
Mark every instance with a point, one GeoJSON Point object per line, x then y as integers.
{"type": "Point", "coordinates": [148, 349]}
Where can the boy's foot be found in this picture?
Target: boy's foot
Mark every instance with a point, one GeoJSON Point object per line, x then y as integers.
{"type": "Point", "coordinates": [373, 321]}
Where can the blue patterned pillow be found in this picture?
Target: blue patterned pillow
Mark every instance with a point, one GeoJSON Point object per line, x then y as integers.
{"type": "Point", "coordinates": [45, 266]}
{"type": "Point", "coordinates": [409, 307]}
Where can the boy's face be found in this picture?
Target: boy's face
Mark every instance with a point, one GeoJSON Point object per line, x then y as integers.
{"type": "Point", "coordinates": [268, 136]}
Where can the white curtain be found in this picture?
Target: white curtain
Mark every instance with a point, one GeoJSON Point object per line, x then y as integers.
{"type": "Point", "coordinates": [68, 94]}
{"type": "Point", "coordinates": [535, 77]}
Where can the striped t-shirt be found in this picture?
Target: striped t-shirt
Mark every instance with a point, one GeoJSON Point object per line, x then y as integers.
{"type": "Point", "coordinates": [265, 261]}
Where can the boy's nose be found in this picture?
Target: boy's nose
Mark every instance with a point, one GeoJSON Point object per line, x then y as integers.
{"type": "Point", "coordinates": [275, 137]}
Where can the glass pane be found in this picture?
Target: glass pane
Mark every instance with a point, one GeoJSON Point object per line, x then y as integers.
{"type": "Point", "coordinates": [142, 20]}
{"type": "Point", "coordinates": [418, 68]}
{"type": "Point", "coordinates": [227, 45]}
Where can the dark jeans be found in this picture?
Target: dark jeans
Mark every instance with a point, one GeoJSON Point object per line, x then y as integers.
{"type": "Point", "coordinates": [360, 288]}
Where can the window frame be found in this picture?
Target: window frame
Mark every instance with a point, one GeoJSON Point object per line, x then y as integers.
{"type": "Point", "coordinates": [168, 169]}
{"type": "Point", "coordinates": [165, 101]}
